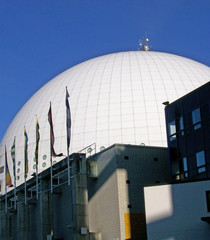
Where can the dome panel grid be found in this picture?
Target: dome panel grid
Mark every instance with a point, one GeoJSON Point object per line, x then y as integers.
{"type": "Point", "coordinates": [116, 98]}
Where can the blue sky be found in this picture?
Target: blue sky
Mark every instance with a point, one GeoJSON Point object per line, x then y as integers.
{"type": "Point", "coordinates": [41, 38]}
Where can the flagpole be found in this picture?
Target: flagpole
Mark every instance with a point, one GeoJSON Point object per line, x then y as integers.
{"type": "Point", "coordinates": [68, 167]}
{"type": "Point", "coordinates": [15, 192]}
{"type": "Point", "coordinates": [5, 190]}
{"type": "Point", "coordinates": [5, 198]}
{"type": "Point", "coordinates": [68, 127]}
{"type": "Point", "coordinates": [14, 170]}
{"type": "Point", "coordinates": [37, 190]}
{"type": "Point", "coordinates": [26, 160]}
{"type": "Point", "coordinates": [36, 156]}
{"type": "Point", "coordinates": [7, 183]}
{"type": "Point", "coordinates": [51, 181]}
{"type": "Point", "coordinates": [5, 170]}
{"type": "Point", "coordinates": [25, 189]}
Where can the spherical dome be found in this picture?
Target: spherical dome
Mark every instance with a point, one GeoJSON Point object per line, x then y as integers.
{"type": "Point", "coordinates": [116, 98]}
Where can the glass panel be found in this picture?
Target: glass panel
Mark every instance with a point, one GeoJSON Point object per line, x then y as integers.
{"type": "Point", "coordinates": [197, 126]}
{"type": "Point", "coordinates": [185, 164]}
{"type": "Point", "coordinates": [202, 169]}
{"type": "Point", "coordinates": [196, 118]}
{"type": "Point", "coordinates": [181, 123]}
{"type": "Point", "coordinates": [200, 159]}
{"type": "Point", "coordinates": [172, 128]}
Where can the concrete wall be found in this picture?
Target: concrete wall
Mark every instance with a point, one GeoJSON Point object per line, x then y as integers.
{"type": "Point", "coordinates": [116, 198]}
{"type": "Point", "coordinates": [103, 198]}
{"type": "Point", "coordinates": [174, 211]}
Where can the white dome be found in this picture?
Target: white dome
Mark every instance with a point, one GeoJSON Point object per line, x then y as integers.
{"type": "Point", "coordinates": [116, 98]}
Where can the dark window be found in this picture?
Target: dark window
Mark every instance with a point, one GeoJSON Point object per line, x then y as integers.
{"type": "Point", "coordinates": [129, 205]}
{"type": "Point", "coordinates": [126, 157]}
{"type": "Point", "coordinates": [155, 159]}
{"type": "Point", "coordinates": [208, 200]}
{"type": "Point", "coordinates": [196, 118]}
{"type": "Point", "coordinates": [128, 181]}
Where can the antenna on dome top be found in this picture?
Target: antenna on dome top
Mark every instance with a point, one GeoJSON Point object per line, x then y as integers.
{"type": "Point", "coordinates": [144, 44]}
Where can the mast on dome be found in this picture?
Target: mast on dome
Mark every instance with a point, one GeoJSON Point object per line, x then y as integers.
{"type": "Point", "coordinates": [144, 44]}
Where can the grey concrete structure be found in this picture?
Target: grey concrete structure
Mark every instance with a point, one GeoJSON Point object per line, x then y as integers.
{"type": "Point", "coordinates": [104, 201]}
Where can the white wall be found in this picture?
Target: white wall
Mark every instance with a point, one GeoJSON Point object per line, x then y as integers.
{"type": "Point", "coordinates": [173, 212]}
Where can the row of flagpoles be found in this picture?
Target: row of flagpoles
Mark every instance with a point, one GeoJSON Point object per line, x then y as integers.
{"type": "Point", "coordinates": [8, 180]}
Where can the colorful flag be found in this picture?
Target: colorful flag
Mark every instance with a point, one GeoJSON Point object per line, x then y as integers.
{"type": "Point", "coordinates": [13, 156]}
{"type": "Point", "coordinates": [8, 176]}
{"type": "Point", "coordinates": [68, 119]}
{"type": "Point", "coordinates": [26, 151]}
{"type": "Point", "coordinates": [37, 141]}
{"type": "Point", "coordinates": [52, 139]}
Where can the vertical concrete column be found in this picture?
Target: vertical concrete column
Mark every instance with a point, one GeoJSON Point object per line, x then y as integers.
{"type": "Point", "coordinates": [4, 222]}
{"type": "Point", "coordinates": [22, 217]}
{"type": "Point", "coordinates": [80, 199]}
{"type": "Point", "coordinates": [46, 210]}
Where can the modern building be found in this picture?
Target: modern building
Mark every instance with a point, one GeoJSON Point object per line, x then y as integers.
{"type": "Point", "coordinates": [104, 200]}
{"type": "Point", "coordinates": [116, 98]}
{"type": "Point", "coordinates": [182, 210]}
{"type": "Point", "coordinates": [188, 131]}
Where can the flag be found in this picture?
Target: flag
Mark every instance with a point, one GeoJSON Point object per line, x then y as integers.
{"type": "Point", "coordinates": [52, 139]}
{"type": "Point", "coordinates": [26, 151]}
{"type": "Point", "coordinates": [68, 119]}
{"type": "Point", "coordinates": [8, 176]}
{"type": "Point", "coordinates": [13, 156]}
{"type": "Point", "coordinates": [37, 141]}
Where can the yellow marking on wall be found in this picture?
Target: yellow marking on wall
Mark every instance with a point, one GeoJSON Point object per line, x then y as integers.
{"type": "Point", "coordinates": [127, 226]}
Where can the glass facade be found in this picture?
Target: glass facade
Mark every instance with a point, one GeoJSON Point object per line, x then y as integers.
{"type": "Point", "coordinates": [188, 135]}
